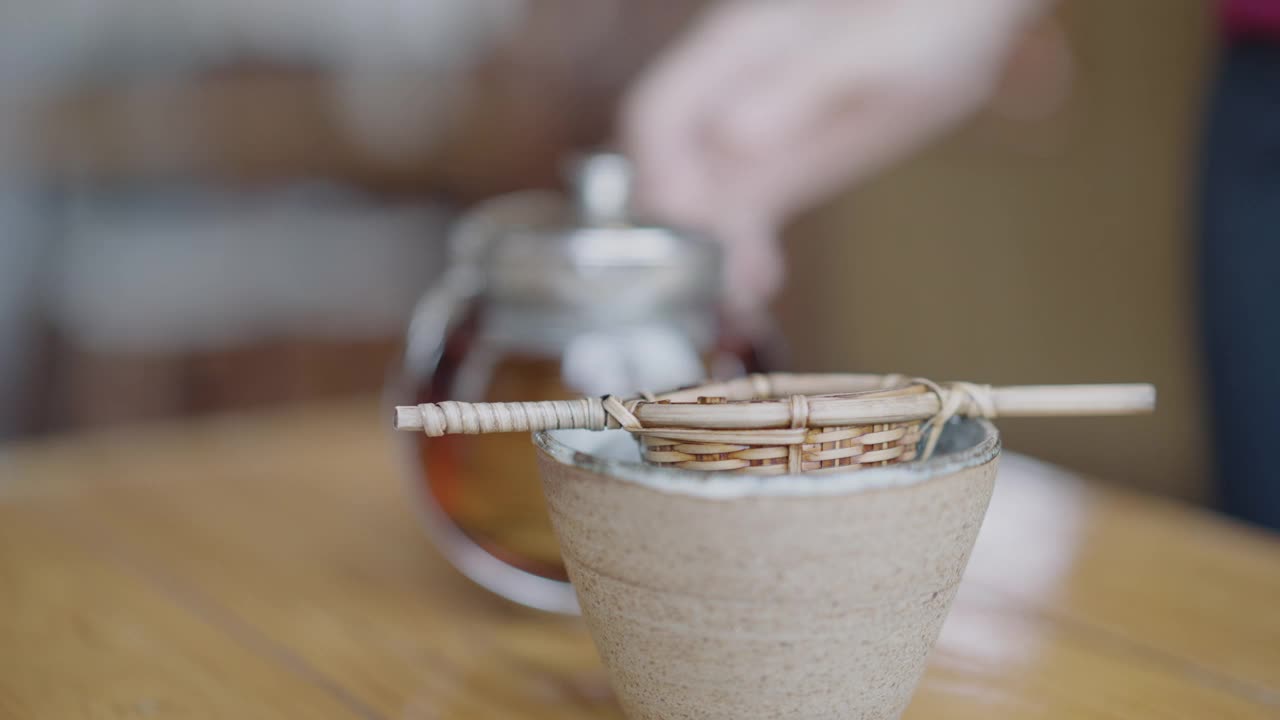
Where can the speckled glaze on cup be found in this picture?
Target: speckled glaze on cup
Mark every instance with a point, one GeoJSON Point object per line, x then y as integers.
{"type": "Point", "coordinates": [713, 595]}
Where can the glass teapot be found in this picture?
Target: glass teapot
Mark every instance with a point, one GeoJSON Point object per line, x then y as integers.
{"type": "Point", "coordinates": [549, 297]}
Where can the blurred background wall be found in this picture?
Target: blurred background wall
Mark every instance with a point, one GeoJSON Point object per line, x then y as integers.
{"type": "Point", "coordinates": [232, 205]}
{"type": "Point", "coordinates": [217, 206]}
{"type": "Point", "coordinates": [1033, 248]}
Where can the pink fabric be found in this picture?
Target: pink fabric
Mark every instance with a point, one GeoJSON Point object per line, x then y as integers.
{"type": "Point", "coordinates": [1251, 17]}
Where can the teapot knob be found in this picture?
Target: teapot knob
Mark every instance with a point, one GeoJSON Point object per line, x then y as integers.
{"type": "Point", "coordinates": [602, 184]}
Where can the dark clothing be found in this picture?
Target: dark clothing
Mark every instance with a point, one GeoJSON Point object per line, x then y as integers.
{"type": "Point", "coordinates": [1240, 277]}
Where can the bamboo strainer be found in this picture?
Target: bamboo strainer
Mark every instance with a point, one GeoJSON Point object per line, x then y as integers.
{"type": "Point", "coordinates": [784, 423]}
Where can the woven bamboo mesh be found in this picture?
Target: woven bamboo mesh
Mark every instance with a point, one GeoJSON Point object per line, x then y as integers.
{"type": "Point", "coordinates": [854, 446]}
{"type": "Point", "coordinates": [784, 423]}
{"type": "Point", "coordinates": [796, 449]}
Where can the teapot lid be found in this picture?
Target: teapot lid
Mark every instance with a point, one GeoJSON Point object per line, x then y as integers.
{"type": "Point", "coordinates": [592, 250]}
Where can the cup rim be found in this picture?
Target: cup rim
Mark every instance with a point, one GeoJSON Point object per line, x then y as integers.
{"type": "Point", "coordinates": [723, 485]}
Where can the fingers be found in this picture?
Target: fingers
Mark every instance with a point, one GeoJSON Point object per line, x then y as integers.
{"type": "Point", "coordinates": [665, 115]}
{"type": "Point", "coordinates": [841, 135]}
{"type": "Point", "coordinates": [840, 149]}
{"type": "Point", "coordinates": [680, 167]}
{"type": "Point", "coordinates": [826, 63]}
{"type": "Point", "coordinates": [754, 266]}
{"type": "Point", "coordinates": [767, 108]}
{"type": "Point", "coordinates": [1038, 76]}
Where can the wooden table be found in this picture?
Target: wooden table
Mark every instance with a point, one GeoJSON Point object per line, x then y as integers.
{"type": "Point", "coordinates": [271, 566]}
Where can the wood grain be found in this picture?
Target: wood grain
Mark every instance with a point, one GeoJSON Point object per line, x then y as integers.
{"type": "Point", "coordinates": [271, 566]}
{"type": "Point", "coordinates": [84, 635]}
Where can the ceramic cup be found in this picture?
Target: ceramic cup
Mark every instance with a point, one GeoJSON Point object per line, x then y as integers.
{"type": "Point", "coordinates": [714, 595]}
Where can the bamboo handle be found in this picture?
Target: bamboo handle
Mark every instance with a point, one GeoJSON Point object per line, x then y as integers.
{"type": "Point", "coordinates": [448, 418]}
{"type": "Point", "coordinates": [454, 418]}
{"type": "Point", "coordinates": [1066, 400]}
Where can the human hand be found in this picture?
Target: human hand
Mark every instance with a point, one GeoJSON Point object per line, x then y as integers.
{"type": "Point", "coordinates": [767, 108]}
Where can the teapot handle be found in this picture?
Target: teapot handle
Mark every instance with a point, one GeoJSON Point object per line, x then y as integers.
{"type": "Point", "coordinates": [445, 303]}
